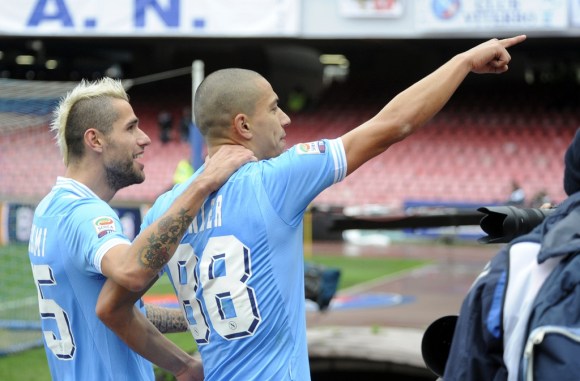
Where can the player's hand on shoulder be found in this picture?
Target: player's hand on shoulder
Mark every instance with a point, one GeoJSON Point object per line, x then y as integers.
{"type": "Point", "coordinates": [227, 160]}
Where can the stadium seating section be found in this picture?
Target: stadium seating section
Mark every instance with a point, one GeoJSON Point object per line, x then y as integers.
{"type": "Point", "coordinates": [470, 152]}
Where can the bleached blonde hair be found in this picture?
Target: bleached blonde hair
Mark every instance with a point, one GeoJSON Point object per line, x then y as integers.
{"type": "Point", "coordinates": [86, 106]}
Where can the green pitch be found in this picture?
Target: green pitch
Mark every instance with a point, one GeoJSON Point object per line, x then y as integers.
{"type": "Point", "coordinates": [31, 365]}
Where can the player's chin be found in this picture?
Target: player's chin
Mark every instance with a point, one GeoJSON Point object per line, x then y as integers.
{"type": "Point", "coordinates": [139, 175]}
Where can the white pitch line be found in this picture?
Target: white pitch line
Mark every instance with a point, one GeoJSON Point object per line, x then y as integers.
{"type": "Point", "coordinates": [357, 289]}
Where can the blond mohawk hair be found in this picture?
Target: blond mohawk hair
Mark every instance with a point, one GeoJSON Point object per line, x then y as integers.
{"type": "Point", "coordinates": [104, 87]}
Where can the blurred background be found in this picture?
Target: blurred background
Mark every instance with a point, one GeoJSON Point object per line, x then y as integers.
{"type": "Point", "coordinates": [333, 64]}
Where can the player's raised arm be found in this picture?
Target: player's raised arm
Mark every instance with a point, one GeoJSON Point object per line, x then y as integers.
{"type": "Point", "coordinates": [416, 105]}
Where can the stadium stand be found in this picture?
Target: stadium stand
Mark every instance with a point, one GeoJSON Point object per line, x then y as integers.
{"type": "Point", "coordinates": [469, 153]}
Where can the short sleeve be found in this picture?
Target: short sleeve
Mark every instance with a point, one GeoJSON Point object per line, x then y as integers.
{"type": "Point", "coordinates": [293, 179]}
{"type": "Point", "coordinates": [91, 229]}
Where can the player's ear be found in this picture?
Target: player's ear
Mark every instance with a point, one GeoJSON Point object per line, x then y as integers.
{"type": "Point", "coordinates": [94, 139]}
{"type": "Point", "coordinates": [242, 126]}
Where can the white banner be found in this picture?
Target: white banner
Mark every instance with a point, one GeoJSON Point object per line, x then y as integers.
{"type": "Point", "coordinates": [206, 18]}
{"type": "Point", "coordinates": [575, 10]}
{"type": "Point", "coordinates": [371, 8]}
{"type": "Point", "coordinates": [477, 15]}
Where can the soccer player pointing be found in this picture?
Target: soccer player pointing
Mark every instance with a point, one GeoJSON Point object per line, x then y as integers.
{"type": "Point", "coordinates": [238, 271]}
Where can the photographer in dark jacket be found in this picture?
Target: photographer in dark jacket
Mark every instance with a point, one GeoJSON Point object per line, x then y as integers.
{"type": "Point", "coordinates": [528, 288]}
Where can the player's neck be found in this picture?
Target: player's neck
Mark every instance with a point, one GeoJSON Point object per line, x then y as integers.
{"type": "Point", "coordinates": [92, 177]}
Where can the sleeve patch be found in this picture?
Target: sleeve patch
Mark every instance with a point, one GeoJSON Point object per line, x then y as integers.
{"type": "Point", "coordinates": [311, 148]}
{"type": "Point", "coordinates": [104, 225]}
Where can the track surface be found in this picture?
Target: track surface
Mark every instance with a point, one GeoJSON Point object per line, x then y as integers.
{"type": "Point", "coordinates": [388, 336]}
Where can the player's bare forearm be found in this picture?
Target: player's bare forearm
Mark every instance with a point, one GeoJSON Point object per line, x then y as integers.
{"type": "Point", "coordinates": [154, 247]}
{"type": "Point", "coordinates": [160, 240]}
{"type": "Point", "coordinates": [166, 320]}
{"type": "Point", "coordinates": [156, 244]}
{"type": "Point", "coordinates": [416, 105]}
{"type": "Point", "coordinates": [134, 328]}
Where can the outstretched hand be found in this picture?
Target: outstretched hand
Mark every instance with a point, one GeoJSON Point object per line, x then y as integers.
{"type": "Point", "coordinates": [492, 56]}
{"type": "Point", "coordinates": [227, 160]}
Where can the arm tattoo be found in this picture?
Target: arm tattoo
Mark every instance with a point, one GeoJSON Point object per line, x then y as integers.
{"type": "Point", "coordinates": [166, 320]}
{"type": "Point", "coordinates": [171, 229]}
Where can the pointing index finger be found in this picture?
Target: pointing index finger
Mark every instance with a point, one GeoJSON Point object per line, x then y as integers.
{"type": "Point", "coordinates": [508, 42]}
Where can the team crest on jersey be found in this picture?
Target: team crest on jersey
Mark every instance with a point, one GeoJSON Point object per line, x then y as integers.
{"type": "Point", "coordinates": [104, 225]}
{"type": "Point", "coordinates": [311, 148]}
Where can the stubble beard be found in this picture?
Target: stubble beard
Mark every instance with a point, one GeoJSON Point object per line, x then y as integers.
{"type": "Point", "coordinates": [122, 174]}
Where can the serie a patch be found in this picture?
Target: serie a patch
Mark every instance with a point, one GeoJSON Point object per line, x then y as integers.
{"type": "Point", "coordinates": [311, 148]}
{"type": "Point", "coordinates": [104, 225]}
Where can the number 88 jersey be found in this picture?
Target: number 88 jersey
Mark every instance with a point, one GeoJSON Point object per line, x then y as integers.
{"type": "Point", "coordinates": [239, 270]}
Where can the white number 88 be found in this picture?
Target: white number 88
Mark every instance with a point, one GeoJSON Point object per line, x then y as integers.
{"type": "Point", "coordinates": [230, 304]}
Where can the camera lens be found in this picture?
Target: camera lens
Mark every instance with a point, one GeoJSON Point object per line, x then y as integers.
{"type": "Point", "coordinates": [504, 223]}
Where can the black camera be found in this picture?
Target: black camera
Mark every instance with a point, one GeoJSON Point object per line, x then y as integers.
{"type": "Point", "coordinates": [504, 223]}
{"type": "Point", "coordinates": [436, 343]}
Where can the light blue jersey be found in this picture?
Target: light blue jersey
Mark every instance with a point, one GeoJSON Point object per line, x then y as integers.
{"type": "Point", "coordinates": [72, 230]}
{"type": "Point", "coordinates": [239, 271]}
